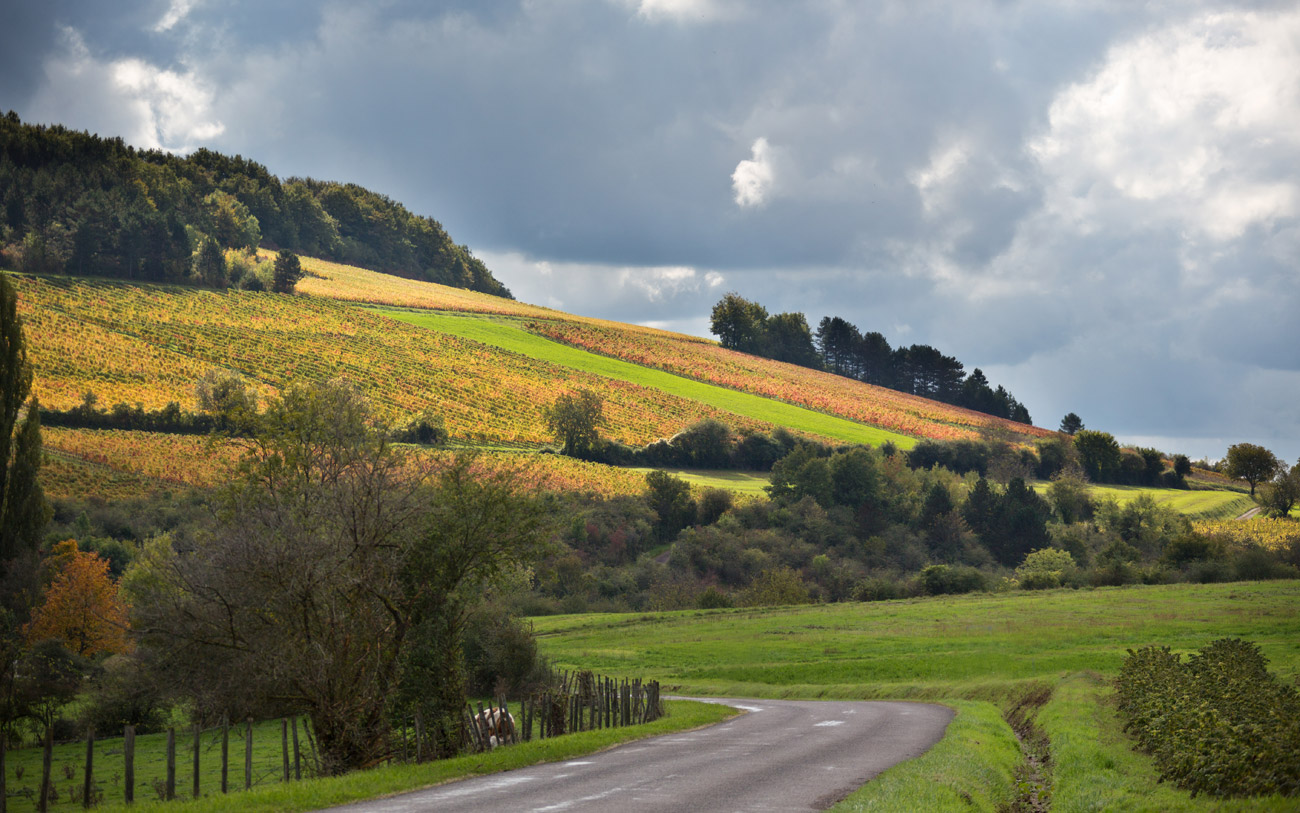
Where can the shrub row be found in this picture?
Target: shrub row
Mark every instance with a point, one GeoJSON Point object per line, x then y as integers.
{"type": "Point", "coordinates": [1218, 723]}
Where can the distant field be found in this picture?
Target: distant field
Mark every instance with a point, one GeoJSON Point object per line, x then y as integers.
{"type": "Point", "coordinates": [1193, 504]}
{"type": "Point", "coordinates": [516, 340]}
{"type": "Point", "coordinates": [923, 648]}
{"type": "Point", "coordinates": [752, 483]}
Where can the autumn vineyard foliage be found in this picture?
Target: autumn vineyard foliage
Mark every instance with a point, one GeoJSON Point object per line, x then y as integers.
{"type": "Point", "coordinates": [824, 392]}
{"type": "Point", "coordinates": [157, 340]}
{"type": "Point", "coordinates": [1218, 723]}
{"type": "Point", "coordinates": [118, 463]}
{"type": "Point", "coordinates": [1267, 532]}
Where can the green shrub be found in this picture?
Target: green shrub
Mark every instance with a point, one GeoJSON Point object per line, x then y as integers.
{"type": "Point", "coordinates": [940, 580]}
{"type": "Point", "coordinates": [1218, 724]}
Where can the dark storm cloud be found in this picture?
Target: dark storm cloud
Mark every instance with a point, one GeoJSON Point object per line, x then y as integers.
{"type": "Point", "coordinates": [1095, 202]}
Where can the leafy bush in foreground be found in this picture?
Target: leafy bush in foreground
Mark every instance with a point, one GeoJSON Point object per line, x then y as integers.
{"type": "Point", "coordinates": [1217, 724]}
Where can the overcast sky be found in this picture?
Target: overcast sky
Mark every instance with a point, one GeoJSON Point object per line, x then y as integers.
{"type": "Point", "coordinates": [1096, 203]}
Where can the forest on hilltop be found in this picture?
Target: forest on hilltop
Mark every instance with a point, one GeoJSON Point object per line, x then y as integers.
{"type": "Point", "coordinates": [76, 203]}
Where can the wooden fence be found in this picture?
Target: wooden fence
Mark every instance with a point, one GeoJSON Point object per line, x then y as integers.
{"type": "Point", "coordinates": [90, 791]}
{"type": "Point", "coordinates": [578, 701]}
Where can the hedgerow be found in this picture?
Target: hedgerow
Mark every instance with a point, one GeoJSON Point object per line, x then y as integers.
{"type": "Point", "coordinates": [1218, 723]}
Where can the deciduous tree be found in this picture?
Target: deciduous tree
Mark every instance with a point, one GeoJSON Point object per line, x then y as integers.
{"type": "Point", "coordinates": [575, 420]}
{"type": "Point", "coordinates": [337, 580]}
{"type": "Point", "coordinates": [1251, 463]}
{"type": "Point", "coordinates": [82, 608]}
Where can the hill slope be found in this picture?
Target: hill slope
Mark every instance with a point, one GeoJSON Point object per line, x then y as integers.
{"type": "Point", "coordinates": [488, 365]}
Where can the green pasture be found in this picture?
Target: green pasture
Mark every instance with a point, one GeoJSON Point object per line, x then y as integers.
{"type": "Point", "coordinates": [506, 336]}
{"type": "Point", "coordinates": [1198, 504]}
{"type": "Point", "coordinates": [269, 793]}
{"type": "Point", "coordinates": [749, 483]}
{"type": "Point", "coordinates": [976, 653]}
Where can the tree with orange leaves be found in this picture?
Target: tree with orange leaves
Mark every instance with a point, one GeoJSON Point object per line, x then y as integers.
{"type": "Point", "coordinates": [82, 608]}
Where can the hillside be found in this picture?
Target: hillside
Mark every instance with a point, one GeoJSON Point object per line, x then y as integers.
{"type": "Point", "coordinates": [487, 365]}
{"type": "Point", "coordinates": [77, 203]}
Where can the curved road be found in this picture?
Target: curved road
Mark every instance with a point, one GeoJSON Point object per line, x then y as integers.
{"type": "Point", "coordinates": [784, 755]}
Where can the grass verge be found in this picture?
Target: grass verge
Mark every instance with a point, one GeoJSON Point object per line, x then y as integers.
{"type": "Point", "coordinates": [971, 768]}
{"type": "Point", "coordinates": [312, 794]}
{"type": "Point", "coordinates": [508, 337]}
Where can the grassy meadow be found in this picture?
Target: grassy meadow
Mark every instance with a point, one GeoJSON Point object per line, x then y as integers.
{"type": "Point", "coordinates": [1194, 504]}
{"type": "Point", "coordinates": [979, 653]}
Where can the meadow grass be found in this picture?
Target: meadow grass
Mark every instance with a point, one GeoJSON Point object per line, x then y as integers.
{"type": "Point", "coordinates": [1194, 504]}
{"type": "Point", "coordinates": [750, 483]}
{"type": "Point", "coordinates": [505, 336]}
{"type": "Point", "coordinates": [310, 794]}
{"type": "Point", "coordinates": [971, 768]}
{"type": "Point", "coordinates": [952, 646]}
{"type": "Point", "coordinates": [975, 653]}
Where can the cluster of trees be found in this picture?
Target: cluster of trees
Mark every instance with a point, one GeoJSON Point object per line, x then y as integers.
{"type": "Point", "coordinates": [75, 203]}
{"type": "Point", "coordinates": [859, 524]}
{"type": "Point", "coordinates": [576, 419]}
{"type": "Point", "coordinates": [839, 347]}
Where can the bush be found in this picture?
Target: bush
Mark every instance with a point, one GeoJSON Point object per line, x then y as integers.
{"type": "Point", "coordinates": [122, 695]}
{"type": "Point", "coordinates": [877, 588]}
{"type": "Point", "coordinates": [501, 654]}
{"type": "Point", "coordinates": [1039, 580]}
{"type": "Point", "coordinates": [714, 599]}
{"type": "Point", "coordinates": [940, 580]}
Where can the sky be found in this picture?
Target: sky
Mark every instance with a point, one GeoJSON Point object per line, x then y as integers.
{"type": "Point", "coordinates": [1097, 202]}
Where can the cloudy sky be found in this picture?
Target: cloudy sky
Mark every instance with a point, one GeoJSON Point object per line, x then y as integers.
{"type": "Point", "coordinates": [1095, 201]}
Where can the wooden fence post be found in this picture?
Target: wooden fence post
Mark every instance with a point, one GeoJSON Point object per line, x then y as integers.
{"type": "Point", "coordinates": [4, 791]}
{"type": "Point", "coordinates": [43, 802]}
{"type": "Point", "coordinates": [225, 754]}
{"type": "Point", "coordinates": [248, 754]}
{"type": "Point", "coordinates": [171, 764]}
{"type": "Point", "coordinates": [88, 785]}
{"type": "Point", "coordinates": [284, 745]}
{"type": "Point", "coordinates": [419, 737]}
{"type": "Point", "coordinates": [128, 755]}
{"type": "Point", "coordinates": [198, 744]}
{"type": "Point", "coordinates": [297, 761]}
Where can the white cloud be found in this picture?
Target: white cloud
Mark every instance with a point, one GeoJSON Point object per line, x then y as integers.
{"type": "Point", "coordinates": [944, 165]}
{"type": "Point", "coordinates": [1196, 125]}
{"type": "Point", "coordinates": [754, 177]}
{"type": "Point", "coordinates": [148, 106]}
{"type": "Point", "coordinates": [681, 11]}
{"type": "Point", "coordinates": [176, 11]}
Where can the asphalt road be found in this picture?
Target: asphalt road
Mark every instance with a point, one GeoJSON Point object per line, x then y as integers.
{"type": "Point", "coordinates": [783, 755]}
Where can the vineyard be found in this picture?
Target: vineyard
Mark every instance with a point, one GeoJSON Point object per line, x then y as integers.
{"type": "Point", "coordinates": [746, 405]}
{"type": "Point", "coordinates": [351, 284]}
{"type": "Point", "coordinates": [114, 464]}
{"type": "Point", "coordinates": [148, 344]}
{"type": "Point", "coordinates": [1274, 534]}
{"type": "Point", "coordinates": [823, 392]}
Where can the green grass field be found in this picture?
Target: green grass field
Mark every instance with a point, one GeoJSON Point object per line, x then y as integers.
{"type": "Point", "coordinates": [977, 653]}
{"type": "Point", "coordinates": [1199, 504]}
{"type": "Point", "coordinates": [501, 334]}
{"type": "Point", "coordinates": [749, 483]}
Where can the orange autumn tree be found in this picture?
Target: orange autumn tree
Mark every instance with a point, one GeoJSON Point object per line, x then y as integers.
{"type": "Point", "coordinates": [82, 608]}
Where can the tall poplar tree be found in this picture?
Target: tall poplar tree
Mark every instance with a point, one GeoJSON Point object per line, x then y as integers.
{"type": "Point", "coordinates": [23, 510]}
